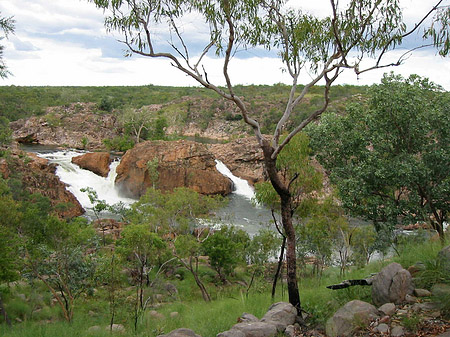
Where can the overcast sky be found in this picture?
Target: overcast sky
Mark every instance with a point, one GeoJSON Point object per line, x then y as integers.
{"type": "Point", "coordinates": [63, 42]}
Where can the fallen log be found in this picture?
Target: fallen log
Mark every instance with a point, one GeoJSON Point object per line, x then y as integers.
{"type": "Point", "coordinates": [350, 283]}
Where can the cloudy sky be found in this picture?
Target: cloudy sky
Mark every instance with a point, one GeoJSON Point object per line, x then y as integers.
{"type": "Point", "coordinates": [63, 42]}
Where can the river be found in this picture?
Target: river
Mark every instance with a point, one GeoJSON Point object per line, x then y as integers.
{"type": "Point", "coordinates": [240, 211]}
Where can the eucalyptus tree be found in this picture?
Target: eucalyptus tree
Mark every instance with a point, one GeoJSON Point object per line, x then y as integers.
{"type": "Point", "coordinates": [7, 26]}
{"type": "Point", "coordinates": [321, 46]}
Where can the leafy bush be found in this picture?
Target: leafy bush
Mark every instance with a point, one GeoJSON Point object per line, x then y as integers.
{"type": "Point", "coordinates": [119, 143]}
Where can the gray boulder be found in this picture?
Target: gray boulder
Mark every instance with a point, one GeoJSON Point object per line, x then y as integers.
{"type": "Point", "coordinates": [352, 315]}
{"type": "Point", "coordinates": [391, 285]}
{"type": "Point", "coordinates": [181, 333]}
{"type": "Point", "coordinates": [256, 329]}
{"type": "Point", "coordinates": [231, 333]}
{"type": "Point", "coordinates": [281, 315]}
{"type": "Point", "coordinates": [246, 317]}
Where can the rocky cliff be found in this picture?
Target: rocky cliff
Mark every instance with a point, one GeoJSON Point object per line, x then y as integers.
{"type": "Point", "coordinates": [243, 157]}
{"type": "Point", "coordinates": [168, 165]}
{"type": "Point", "coordinates": [74, 126]}
{"type": "Point", "coordinates": [37, 176]}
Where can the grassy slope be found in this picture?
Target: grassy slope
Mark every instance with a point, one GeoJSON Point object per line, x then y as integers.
{"type": "Point", "coordinates": [207, 319]}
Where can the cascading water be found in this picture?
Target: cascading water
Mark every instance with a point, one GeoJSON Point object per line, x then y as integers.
{"type": "Point", "coordinates": [239, 212]}
{"type": "Point", "coordinates": [241, 186]}
{"type": "Point", "coordinates": [77, 178]}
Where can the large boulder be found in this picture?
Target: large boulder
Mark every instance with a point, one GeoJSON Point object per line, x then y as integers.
{"type": "Point", "coordinates": [179, 164]}
{"type": "Point", "coordinates": [97, 162]}
{"type": "Point", "coordinates": [353, 315]}
{"type": "Point", "coordinates": [280, 314]}
{"type": "Point", "coordinates": [391, 285]}
{"type": "Point", "coordinates": [255, 329]}
{"type": "Point", "coordinates": [181, 333]}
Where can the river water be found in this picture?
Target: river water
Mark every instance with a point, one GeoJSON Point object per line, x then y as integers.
{"type": "Point", "coordinates": [240, 211]}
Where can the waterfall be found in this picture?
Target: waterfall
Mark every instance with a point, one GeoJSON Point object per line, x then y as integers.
{"type": "Point", "coordinates": [77, 178]}
{"type": "Point", "coordinates": [241, 186]}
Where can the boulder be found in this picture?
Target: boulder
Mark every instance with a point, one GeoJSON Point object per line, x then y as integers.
{"type": "Point", "coordinates": [246, 317]}
{"type": "Point", "coordinates": [391, 285]}
{"type": "Point", "coordinates": [97, 162]}
{"type": "Point", "coordinates": [354, 314]}
{"type": "Point", "coordinates": [181, 333]}
{"type": "Point", "coordinates": [281, 315]}
{"type": "Point", "coordinates": [179, 164]}
{"type": "Point", "coordinates": [231, 333]}
{"type": "Point", "coordinates": [387, 308]}
{"type": "Point", "coordinates": [256, 329]}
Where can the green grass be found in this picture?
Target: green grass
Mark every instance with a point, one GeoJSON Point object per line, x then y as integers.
{"type": "Point", "coordinates": [206, 319]}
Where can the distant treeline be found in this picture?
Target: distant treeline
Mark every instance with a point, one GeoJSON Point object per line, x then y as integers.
{"type": "Point", "coordinates": [20, 102]}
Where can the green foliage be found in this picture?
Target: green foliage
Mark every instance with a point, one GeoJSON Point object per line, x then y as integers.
{"type": "Point", "coordinates": [5, 131]}
{"type": "Point", "coordinates": [295, 167]}
{"type": "Point", "coordinates": [177, 211]}
{"type": "Point", "coordinates": [226, 248]}
{"type": "Point", "coordinates": [119, 143]}
{"type": "Point", "coordinates": [7, 27]}
{"type": "Point", "coordinates": [389, 157]}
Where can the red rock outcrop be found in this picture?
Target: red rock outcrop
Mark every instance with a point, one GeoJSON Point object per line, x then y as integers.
{"type": "Point", "coordinates": [73, 126]}
{"type": "Point", "coordinates": [243, 157]}
{"type": "Point", "coordinates": [179, 164]}
{"type": "Point", "coordinates": [38, 176]}
{"type": "Point", "coordinates": [97, 162]}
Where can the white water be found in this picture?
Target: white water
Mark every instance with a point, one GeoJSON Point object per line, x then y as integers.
{"type": "Point", "coordinates": [239, 212]}
{"type": "Point", "coordinates": [241, 186]}
{"type": "Point", "coordinates": [77, 178]}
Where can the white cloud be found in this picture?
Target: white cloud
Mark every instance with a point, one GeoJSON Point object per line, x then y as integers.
{"type": "Point", "coordinates": [64, 42]}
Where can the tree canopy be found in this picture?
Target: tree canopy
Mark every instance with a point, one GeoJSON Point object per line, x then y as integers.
{"type": "Point", "coordinates": [7, 26]}
{"type": "Point", "coordinates": [321, 46]}
{"type": "Point", "coordinates": [389, 156]}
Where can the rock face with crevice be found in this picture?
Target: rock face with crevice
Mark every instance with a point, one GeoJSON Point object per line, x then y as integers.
{"type": "Point", "coordinates": [168, 165]}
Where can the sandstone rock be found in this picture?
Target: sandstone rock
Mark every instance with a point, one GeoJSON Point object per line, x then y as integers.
{"type": "Point", "coordinates": [256, 329]}
{"type": "Point", "coordinates": [290, 331]}
{"type": "Point", "coordinates": [411, 299]}
{"type": "Point", "coordinates": [391, 284]}
{"type": "Point", "coordinates": [387, 308]}
{"type": "Point", "coordinates": [68, 126]}
{"type": "Point", "coordinates": [179, 164]}
{"type": "Point", "coordinates": [422, 292]}
{"type": "Point", "coordinates": [181, 333]}
{"type": "Point", "coordinates": [352, 315]}
{"type": "Point", "coordinates": [281, 315]}
{"type": "Point", "coordinates": [97, 162]}
{"type": "Point", "coordinates": [174, 314]}
{"type": "Point", "coordinates": [243, 157]}
{"type": "Point", "coordinates": [37, 176]}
